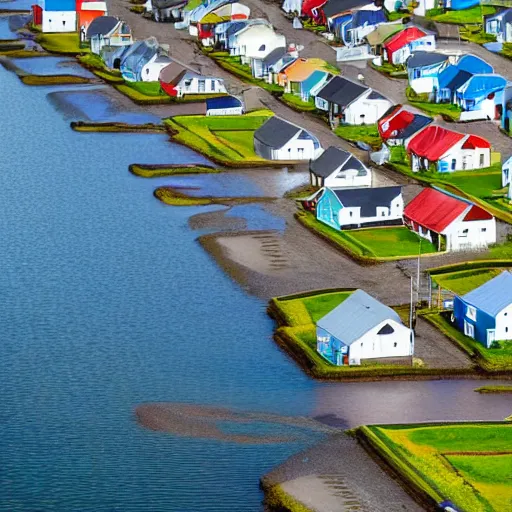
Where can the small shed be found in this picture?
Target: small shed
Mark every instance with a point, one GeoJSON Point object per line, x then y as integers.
{"type": "Point", "coordinates": [338, 168]}
{"type": "Point", "coordinates": [362, 328]}
{"type": "Point", "coordinates": [383, 32]}
{"type": "Point", "coordinates": [423, 69]}
{"type": "Point", "coordinates": [449, 221]}
{"type": "Point", "coordinates": [485, 314]}
{"type": "Point", "coordinates": [360, 207]}
{"type": "Point", "coordinates": [224, 106]}
{"type": "Point", "coordinates": [278, 139]}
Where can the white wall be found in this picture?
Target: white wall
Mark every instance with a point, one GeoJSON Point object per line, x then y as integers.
{"type": "Point", "coordinates": [424, 44]}
{"type": "Point", "coordinates": [372, 110]}
{"type": "Point", "coordinates": [424, 6]}
{"type": "Point", "coordinates": [59, 21]}
{"type": "Point", "coordinates": [480, 234]}
{"type": "Point", "coordinates": [352, 215]}
{"type": "Point", "coordinates": [504, 322]}
{"type": "Point", "coordinates": [467, 159]}
{"type": "Point", "coordinates": [373, 345]}
{"type": "Point", "coordinates": [211, 86]}
{"type": "Point", "coordinates": [151, 71]}
{"type": "Point", "coordinates": [233, 111]}
{"type": "Point", "coordinates": [423, 84]}
{"type": "Point", "coordinates": [487, 110]}
{"type": "Point", "coordinates": [292, 150]}
{"type": "Point", "coordinates": [349, 178]}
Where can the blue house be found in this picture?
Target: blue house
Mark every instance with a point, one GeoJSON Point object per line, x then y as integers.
{"type": "Point", "coordinates": [423, 69]}
{"type": "Point", "coordinates": [485, 314]}
{"type": "Point", "coordinates": [360, 207]}
{"type": "Point", "coordinates": [362, 328]}
{"type": "Point", "coordinates": [138, 55]}
{"type": "Point", "coordinates": [500, 25]}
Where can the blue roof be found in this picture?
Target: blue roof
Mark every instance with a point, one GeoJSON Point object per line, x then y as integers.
{"type": "Point", "coordinates": [416, 125]}
{"type": "Point", "coordinates": [460, 5]}
{"type": "Point", "coordinates": [493, 296]}
{"type": "Point", "coordinates": [482, 85]}
{"type": "Point", "coordinates": [474, 65]}
{"type": "Point", "coordinates": [223, 102]}
{"type": "Point", "coordinates": [452, 78]}
{"type": "Point", "coordinates": [355, 316]}
{"type": "Point", "coordinates": [363, 17]}
{"type": "Point", "coordinates": [59, 5]}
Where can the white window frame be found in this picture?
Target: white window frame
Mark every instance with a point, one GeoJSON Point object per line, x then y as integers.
{"type": "Point", "coordinates": [469, 329]}
{"type": "Point", "coordinates": [471, 312]}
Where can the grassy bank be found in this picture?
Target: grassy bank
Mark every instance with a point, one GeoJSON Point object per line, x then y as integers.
{"type": "Point", "coordinates": [494, 389]}
{"type": "Point", "coordinates": [473, 15]}
{"type": "Point", "coordinates": [276, 499]}
{"type": "Point", "coordinates": [65, 44]}
{"type": "Point", "coordinates": [158, 171]}
{"type": "Point", "coordinates": [370, 245]}
{"type": "Point", "coordinates": [367, 133]}
{"type": "Point", "coordinates": [82, 126]}
{"type": "Point", "coordinates": [143, 94]}
{"type": "Point", "coordinates": [390, 70]}
{"type": "Point", "coordinates": [53, 79]}
{"type": "Point", "coordinates": [174, 197]}
{"type": "Point", "coordinates": [296, 103]}
{"type": "Point", "coordinates": [95, 64]}
{"type": "Point", "coordinates": [468, 463]}
{"type": "Point", "coordinates": [493, 360]}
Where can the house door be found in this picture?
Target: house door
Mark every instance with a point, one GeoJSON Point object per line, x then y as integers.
{"type": "Point", "coordinates": [491, 336]}
{"type": "Point", "coordinates": [469, 329]}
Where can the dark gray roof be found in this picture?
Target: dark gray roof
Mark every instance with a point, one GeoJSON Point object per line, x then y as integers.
{"type": "Point", "coordinates": [459, 79]}
{"type": "Point", "coordinates": [276, 132]}
{"type": "Point", "coordinates": [419, 122]}
{"type": "Point", "coordinates": [420, 59]}
{"type": "Point", "coordinates": [274, 56]}
{"type": "Point", "coordinates": [493, 296]}
{"type": "Point", "coordinates": [355, 316]}
{"type": "Point", "coordinates": [333, 7]}
{"type": "Point", "coordinates": [367, 198]}
{"type": "Point", "coordinates": [101, 25]}
{"type": "Point", "coordinates": [374, 95]}
{"type": "Point", "coordinates": [166, 4]}
{"type": "Point", "coordinates": [329, 161]}
{"type": "Point", "coordinates": [341, 91]}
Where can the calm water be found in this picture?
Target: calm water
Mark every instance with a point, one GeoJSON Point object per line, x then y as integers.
{"type": "Point", "coordinates": [107, 301]}
{"type": "Point", "coordinates": [52, 66]}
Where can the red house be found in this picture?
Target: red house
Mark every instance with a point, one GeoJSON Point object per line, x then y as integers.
{"type": "Point", "coordinates": [399, 47]}
{"type": "Point", "coordinates": [87, 11]}
{"type": "Point", "coordinates": [399, 124]}
{"type": "Point", "coordinates": [37, 14]}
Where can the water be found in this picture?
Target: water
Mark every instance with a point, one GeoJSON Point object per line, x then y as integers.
{"type": "Point", "coordinates": [52, 66]}
{"type": "Point", "coordinates": [5, 30]}
{"type": "Point", "coordinates": [107, 302]}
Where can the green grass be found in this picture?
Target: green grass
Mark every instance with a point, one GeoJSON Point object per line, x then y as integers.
{"type": "Point", "coordinates": [488, 359]}
{"type": "Point", "coordinates": [228, 140]}
{"type": "Point", "coordinates": [507, 50]}
{"type": "Point", "coordinates": [158, 171]}
{"type": "Point", "coordinates": [175, 197]}
{"type": "Point", "coordinates": [367, 133]}
{"type": "Point", "coordinates": [464, 281]}
{"type": "Point", "coordinates": [447, 111]}
{"type": "Point", "coordinates": [277, 499]}
{"type": "Point", "coordinates": [475, 34]}
{"type": "Point", "coordinates": [474, 15]}
{"type": "Point", "coordinates": [192, 4]}
{"type": "Point", "coordinates": [296, 103]}
{"type": "Point", "coordinates": [53, 79]}
{"type": "Point", "coordinates": [67, 44]}
{"type": "Point", "coordinates": [494, 389]}
{"type": "Point", "coordinates": [461, 462]}
{"type": "Point", "coordinates": [81, 126]}
{"type": "Point", "coordinates": [389, 69]}
{"type": "Point", "coordinates": [139, 96]}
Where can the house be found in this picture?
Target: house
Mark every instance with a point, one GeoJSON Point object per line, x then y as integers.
{"type": "Point", "coordinates": [442, 150]}
{"type": "Point", "coordinates": [381, 34]}
{"type": "Point", "coordinates": [361, 23]}
{"type": "Point", "coordinates": [302, 75]}
{"type": "Point", "coordinates": [400, 46]}
{"type": "Point", "coordinates": [399, 124]}
{"type": "Point", "coordinates": [485, 314]}
{"type": "Point", "coordinates": [151, 70]}
{"type": "Point", "coordinates": [351, 103]}
{"type": "Point", "coordinates": [167, 10]}
{"type": "Point", "coordinates": [449, 221]}
{"type": "Point", "coordinates": [87, 11]}
{"type": "Point", "coordinates": [112, 56]}
{"type": "Point", "coordinates": [506, 172]}
{"type": "Point", "coordinates": [422, 6]}
{"type": "Point", "coordinates": [136, 57]}
{"type": "Point", "coordinates": [362, 328]}
{"type": "Point", "coordinates": [237, 27]}
{"type": "Point", "coordinates": [311, 9]}
{"type": "Point", "coordinates": [500, 25]}
{"type": "Point", "coordinates": [228, 12]}
{"type": "Point", "coordinates": [224, 106]}
{"type": "Point", "coordinates": [56, 15]}
{"type": "Point", "coordinates": [460, 5]}
{"type": "Point", "coordinates": [176, 81]}
{"type": "Point", "coordinates": [255, 42]}
{"type": "Point", "coordinates": [423, 69]}
{"type": "Point", "coordinates": [278, 139]}
{"type": "Point", "coordinates": [333, 8]}
{"type": "Point", "coordinates": [480, 97]}
{"type": "Point", "coordinates": [194, 16]}
{"type": "Point", "coordinates": [260, 67]}
{"type": "Point", "coordinates": [360, 207]}
{"type": "Point", "coordinates": [338, 168]}
{"type": "Point", "coordinates": [280, 65]}
{"type": "Point", "coordinates": [108, 31]}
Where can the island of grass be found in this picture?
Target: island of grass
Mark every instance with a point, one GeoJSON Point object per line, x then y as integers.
{"type": "Point", "coordinates": [296, 316]}
{"type": "Point", "coordinates": [53, 79]}
{"type": "Point", "coordinates": [227, 140]}
{"type": "Point", "coordinates": [367, 133]}
{"type": "Point", "coordinates": [63, 43]}
{"type": "Point", "coordinates": [95, 64]}
{"type": "Point", "coordinates": [82, 126]}
{"type": "Point", "coordinates": [494, 389]}
{"type": "Point", "coordinates": [388, 69]}
{"type": "Point", "coordinates": [447, 111]}
{"type": "Point", "coordinates": [466, 463]}
{"type": "Point", "coordinates": [175, 197]}
{"type": "Point", "coordinates": [370, 245]}
{"type": "Point", "coordinates": [159, 171]}
{"type": "Point", "coordinates": [496, 360]}
{"type": "Point", "coordinates": [471, 16]}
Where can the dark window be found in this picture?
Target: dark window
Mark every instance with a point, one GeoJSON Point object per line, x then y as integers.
{"type": "Point", "coordinates": [386, 329]}
{"type": "Point", "coordinates": [261, 48]}
{"type": "Point", "coordinates": [395, 344]}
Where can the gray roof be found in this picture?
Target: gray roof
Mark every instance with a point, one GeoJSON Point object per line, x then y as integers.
{"type": "Point", "coordinates": [355, 316]}
{"type": "Point", "coordinates": [274, 56]}
{"type": "Point", "coordinates": [276, 132]}
{"type": "Point", "coordinates": [420, 59]}
{"type": "Point", "coordinates": [329, 161]}
{"type": "Point", "coordinates": [367, 198]}
{"type": "Point", "coordinates": [493, 296]}
{"type": "Point", "coordinates": [341, 91]}
{"type": "Point", "coordinates": [101, 25]}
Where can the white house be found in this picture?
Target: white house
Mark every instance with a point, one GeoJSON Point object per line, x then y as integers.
{"type": "Point", "coordinates": [423, 69]}
{"type": "Point", "coordinates": [256, 41]}
{"type": "Point", "coordinates": [360, 207]}
{"type": "Point", "coordinates": [278, 139]}
{"type": "Point", "coordinates": [450, 222]}
{"type": "Point", "coordinates": [363, 328]}
{"type": "Point", "coordinates": [423, 6]}
{"type": "Point", "coordinates": [108, 31]}
{"type": "Point", "coordinates": [400, 46]}
{"type": "Point", "coordinates": [151, 70]}
{"type": "Point", "coordinates": [58, 21]}
{"type": "Point", "coordinates": [192, 83]}
{"type": "Point", "coordinates": [338, 168]}
{"type": "Point", "coordinates": [485, 313]}
{"type": "Point", "coordinates": [447, 151]}
{"type": "Point", "coordinates": [351, 103]}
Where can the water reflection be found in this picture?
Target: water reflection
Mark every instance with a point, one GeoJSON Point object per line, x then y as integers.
{"type": "Point", "coordinates": [52, 66]}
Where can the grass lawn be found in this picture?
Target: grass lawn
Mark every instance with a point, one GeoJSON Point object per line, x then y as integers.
{"type": "Point", "coordinates": [389, 69]}
{"type": "Point", "coordinates": [494, 389]}
{"type": "Point", "coordinates": [464, 281]}
{"type": "Point", "coordinates": [296, 103]}
{"type": "Point", "coordinates": [228, 140]}
{"type": "Point", "coordinates": [467, 16]}
{"type": "Point", "coordinates": [367, 133]}
{"type": "Point", "coordinates": [489, 359]}
{"type": "Point", "coordinates": [475, 34]}
{"type": "Point", "coordinates": [370, 245]}
{"type": "Point", "coordinates": [465, 463]}
{"type": "Point", "coordinates": [448, 111]}
{"type": "Point", "coordinates": [139, 95]}
{"type": "Point", "coordinates": [67, 43]}
{"type": "Point", "coordinates": [476, 183]}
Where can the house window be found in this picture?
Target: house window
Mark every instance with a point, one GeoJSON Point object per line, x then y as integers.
{"type": "Point", "coordinates": [483, 230]}
{"type": "Point", "coordinates": [506, 329]}
{"type": "Point", "coordinates": [471, 312]}
{"type": "Point", "coordinates": [416, 73]}
{"type": "Point", "coordinates": [361, 344]}
{"type": "Point", "coordinates": [454, 164]}
{"type": "Point", "coordinates": [463, 234]}
{"type": "Point", "coordinates": [395, 344]}
{"type": "Point", "coordinates": [351, 213]}
{"type": "Point", "coordinates": [481, 160]}
{"type": "Point", "coordinates": [383, 214]}
{"type": "Point", "coordinates": [201, 85]}
{"type": "Point", "coordinates": [213, 85]}
{"type": "Point", "coordinates": [188, 83]}
{"type": "Point", "coordinates": [505, 314]}
{"type": "Point", "coordinates": [261, 48]}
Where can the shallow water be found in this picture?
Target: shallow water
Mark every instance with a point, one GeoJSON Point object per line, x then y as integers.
{"type": "Point", "coordinates": [5, 31]}
{"type": "Point", "coordinates": [107, 301]}
{"type": "Point", "coordinates": [52, 66]}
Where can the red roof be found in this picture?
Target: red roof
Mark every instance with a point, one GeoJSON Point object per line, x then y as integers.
{"type": "Point", "coordinates": [397, 120]}
{"type": "Point", "coordinates": [474, 141]}
{"type": "Point", "coordinates": [433, 142]}
{"type": "Point", "coordinates": [400, 39]}
{"type": "Point", "coordinates": [434, 210]}
{"type": "Point", "coordinates": [309, 5]}
{"type": "Point", "coordinates": [477, 213]}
